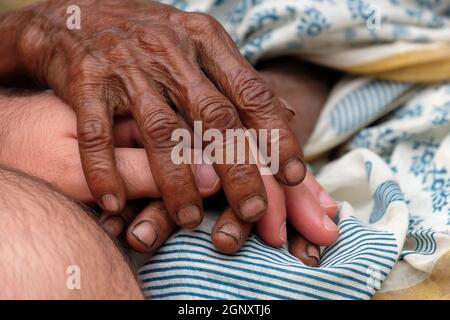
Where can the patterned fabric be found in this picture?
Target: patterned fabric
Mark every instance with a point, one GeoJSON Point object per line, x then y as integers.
{"type": "Point", "coordinates": [404, 40]}
{"type": "Point", "coordinates": [392, 180]}
{"type": "Point", "coordinates": [412, 143]}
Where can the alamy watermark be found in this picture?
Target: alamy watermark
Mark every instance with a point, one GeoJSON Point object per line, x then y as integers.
{"type": "Point", "coordinates": [234, 146]}
{"type": "Point", "coordinates": [73, 281]}
{"type": "Point", "coordinates": [373, 20]}
{"type": "Point", "coordinates": [73, 21]}
{"type": "Point", "coordinates": [374, 279]}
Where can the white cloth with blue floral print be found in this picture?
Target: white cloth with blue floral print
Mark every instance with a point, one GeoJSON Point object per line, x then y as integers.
{"type": "Point", "coordinates": [392, 178]}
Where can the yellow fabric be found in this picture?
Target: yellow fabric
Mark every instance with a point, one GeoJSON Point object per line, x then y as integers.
{"type": "Point", "coordinates": [15, 4]}
{"type": "Point", "coordinates": [418, 66]}
{"type": "Point", "coordinates": [435, 287]}
{"type": "Point", "coordinates": [422, 73]}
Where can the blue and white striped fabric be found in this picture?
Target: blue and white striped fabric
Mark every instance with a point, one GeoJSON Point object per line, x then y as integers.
{"type": "Point", "coordinates": [365, 104]}
{"type": "Point", "coordinates": [188, 267]}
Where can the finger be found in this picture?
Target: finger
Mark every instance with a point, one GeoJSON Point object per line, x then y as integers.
{"type": "Point", "coordinates": [157, 122]}
{"type": "Point", "coordinates": [322, 197]}
{"type": "Point", "coordinates": [115, 224]}
{"type": "Point", "coordinates": [304, 250]}
{"type": "Point", "coordinates": [95, 141]}
{"type": "Point", "coordinates": [126, 132]}
{"type": "Point", "coordinates": [140, 182]}
{"type": "Point", "coordinates": [112, 224]}
{"type": "Point", "coordinates": [150, 229]}
{"type": "Point", "coordinates": [272, 226]}
{"type": "Point", "coordinates": [240, 177]}
{"type": "Point", "coordinates": [307, 217]}
{"type": "Point", "coordinates": [258, 107]}
{"type": "Point", "coordinates": [138, 179]}
{"type": "Point", "coordinates": [229, 232]}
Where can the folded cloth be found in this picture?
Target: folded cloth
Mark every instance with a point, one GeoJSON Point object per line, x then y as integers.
{"type": "Point", "coordinates": [392, 178]}
{"type": "Point", "coordinates": [393, 39]}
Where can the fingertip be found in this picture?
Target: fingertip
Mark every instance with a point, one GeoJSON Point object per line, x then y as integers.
{"type": "Point", "coordinates": [227, 238]}
{"type": "Point", "coordinates": [305, 251]}
{"type": "Point", "coordinates": [325, 200]}
{"type": "Point", "coordinates": [293, 171]}
{"type": "Point", "coordinates": [190, 216]}
{"type": "Point", "coordinates": [252, 208]}
{"type": "Point", "coordinates": [111, 203]}
{"type": "Point", "coordinates": [150, 229]}
{"type": "Point", "coordinates": [113, 225]}
{"type": "Point", "coordinates": [331, 211]}
{"type": "Point", "coordinates": [144, 235]}
{"type": "Point", "coordinates": [328, 203]}
{"type": "Point", "coordinates": [308, 217]}
{"type": "Point", "coordinates": [332, 231]}
{"type": "Point", "coordinates": [229, 233]}
{"type": "Point", "coordinates": [273, 239]}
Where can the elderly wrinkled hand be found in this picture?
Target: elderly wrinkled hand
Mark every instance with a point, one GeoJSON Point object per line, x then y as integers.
{"type": "Point", "coordinates": [144, 59]}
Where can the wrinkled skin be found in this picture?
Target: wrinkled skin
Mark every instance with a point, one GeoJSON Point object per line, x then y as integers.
{"type": "Point", "coordinates": [145, 59]}
{"type": "Point", "coordinates": [306, 208]}
{"type": "Point", "coordinates": [38, 136]}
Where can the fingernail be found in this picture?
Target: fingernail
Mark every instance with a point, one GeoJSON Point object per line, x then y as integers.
{"type": "Point", "coordinates": [252, 208]}
{"type": "Point", "coordinates": [328, 223]}
{"type": "Point", "coordinates": [283, 233]}
{"type": "Point", "coordinates": [189, 216]}
{"type": "Point", "coordinates": [110, 202]}
{"type": "Point", "coordinates": [113, 225]}
{"type": "Point", "coordinates": [231, 230]}
{"type": "Point", "coordinates": [326, 201]}
{"type": "Point", "coordinates": [288, 107]}
{"type": "Point", "coordinates": [145, 232]}
{"type": "Point", "coordinates": [206, 177]}
{"type": "Point", "coordinates": [313, 252]}
{"type": "Point", "coordinates": [294, 171]}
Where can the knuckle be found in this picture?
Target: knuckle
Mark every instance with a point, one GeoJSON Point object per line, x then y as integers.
{"type": "Point", "coordinates": [160, 39]}
{"type": "Point", "coordinates": [198, 21]}
{"type": "Point", "coordinates": [238, 173]}
{"type": "Point", "coordinates": [217, 114]}
{"type": "Point", "coordinates": [84, 66]}
{"type": "Point", "coordinates": [157, 127]}
{"type": "Point", "coordinates": [176, 177]}
{"type": "Point", "coordinates": [254, 94]}
{"type": "Point", "coordinates": [98, 172]}
{"type": "Point", "coordinates": [94, 133]}
{"type": "Point", "coordinates": [30, 40]}
{"type": "Point", "coordinates": [160, 209]}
